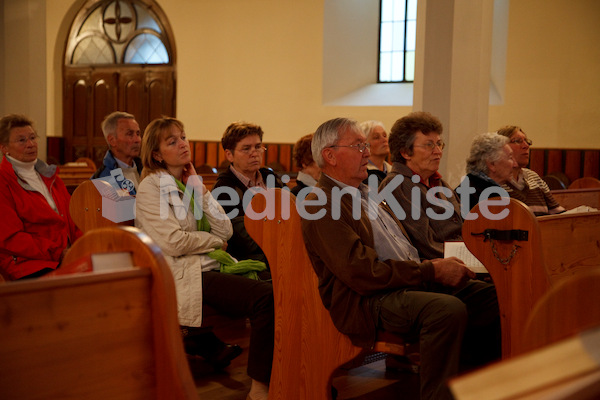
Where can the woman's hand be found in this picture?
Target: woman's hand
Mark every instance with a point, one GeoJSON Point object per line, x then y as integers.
{"type": "Point", "coordinates": [196, 182]}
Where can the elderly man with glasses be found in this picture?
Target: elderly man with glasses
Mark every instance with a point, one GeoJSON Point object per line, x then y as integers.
{"type": "Point", "coordinates": [372, 279]}
{"type": "Point", "coordinates": [416, 147]}
{"type": "Point", "coordinates": [526, 185]}
{"type": "Point", "coordinates": [242, 142]}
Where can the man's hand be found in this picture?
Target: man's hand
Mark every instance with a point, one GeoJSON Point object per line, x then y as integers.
{"type": "Point", "coordinates": [451, 271]}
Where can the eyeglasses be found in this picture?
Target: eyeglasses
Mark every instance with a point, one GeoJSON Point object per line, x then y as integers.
{"type": "Point", "coordinates": [361, 147]}
{"type": "Point", "coordinates": [431, 146]}
{"type": "Point", "coordinates": [22, 141]}
{"type": "Point", "coordinates": [520, 141]}
{"type": "Point", "coordinates": [249, 149]}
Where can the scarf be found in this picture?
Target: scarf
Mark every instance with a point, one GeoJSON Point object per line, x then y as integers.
{"type": "Point", "coordinates": [247, 268]}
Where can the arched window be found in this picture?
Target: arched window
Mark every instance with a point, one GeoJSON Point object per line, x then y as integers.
{"type": "Point", "coordinates": [119, 55]}
{"type": "Point", "coordinates": [118, 32]}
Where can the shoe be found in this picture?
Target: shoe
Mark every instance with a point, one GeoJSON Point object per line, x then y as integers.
{"type": "Point", "coordinates": [223, 358]}
{"type": "Point", "coordinates": [400, 364]}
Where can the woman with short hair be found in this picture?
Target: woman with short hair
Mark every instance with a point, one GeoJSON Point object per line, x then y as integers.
{"type": "Point", "coordinates": [35, 226]}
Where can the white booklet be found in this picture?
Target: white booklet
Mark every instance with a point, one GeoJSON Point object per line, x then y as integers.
{"type": "Point", "coordinates": [459, 250]}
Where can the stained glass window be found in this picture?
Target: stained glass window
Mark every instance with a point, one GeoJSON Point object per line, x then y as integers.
{"type": "Point", "coordinates": [120, 32]}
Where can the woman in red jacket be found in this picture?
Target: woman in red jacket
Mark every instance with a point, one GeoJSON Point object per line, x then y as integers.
{"type": "Point", "coordinates": [35, 225]}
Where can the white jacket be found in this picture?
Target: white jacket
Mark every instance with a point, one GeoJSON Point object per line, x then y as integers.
{"type": "Point", "coordinates": [162, 215]}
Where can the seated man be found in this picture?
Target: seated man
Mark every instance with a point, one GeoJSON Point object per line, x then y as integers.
{"type": "Point", "coordinates": [417, 146]}
{"type": "Point", "coordinates": [122, 133]}
{"type": "Point", "coordinates": [371, 277]}
{"type": "Point", "coordinates": [244, 149]}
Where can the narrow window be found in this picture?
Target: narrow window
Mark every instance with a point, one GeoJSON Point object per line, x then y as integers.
{"type": "Point", "coordinates": [397, 37]}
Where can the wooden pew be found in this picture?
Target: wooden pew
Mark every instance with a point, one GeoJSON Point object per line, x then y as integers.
{"type": "Point", "coordinates": [308, 347]}
{"type": "Point", "coordinates": [96, 335]}
{"type": "Point", "coordinates": [524, 270]}
{"type": "Point", "coordinates": [572, 198]}
{"type": "Point", "coordinates": [85, 208]}
{"type": "Point", "coordinates": [72, 174]}
{"type": "Point", "coordinates": [569, 307]}
{"type": "Point", "coordinates": [557, 364]}
{"type": "Point", "coordinates": [585, 182]}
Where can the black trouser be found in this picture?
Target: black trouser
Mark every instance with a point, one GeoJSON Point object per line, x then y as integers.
{"type": "Point", "coordinates": [238, 297]}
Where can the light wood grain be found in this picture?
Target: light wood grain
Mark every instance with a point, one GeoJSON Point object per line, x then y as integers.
{"type": "Point", "coordinates": [308, 347]}
{"type": "Point", "coordinates": [112, 335]}
{"type": "Point", "coordinates": [557, 247]}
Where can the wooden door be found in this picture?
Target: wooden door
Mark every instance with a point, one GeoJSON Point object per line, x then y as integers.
{"type": "Point", "coordinates": [91, 93]}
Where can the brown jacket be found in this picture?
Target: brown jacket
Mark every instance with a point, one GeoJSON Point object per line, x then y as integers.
{"type": "Point", "coordinates": [351, 277]}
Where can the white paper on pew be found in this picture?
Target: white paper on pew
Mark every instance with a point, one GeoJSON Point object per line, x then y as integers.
{"type": "Point", "coordinates": [111, 261]}
{"type": "Point", "coordinates": [459, 250]}
{"type": "Point", "coordinates": [108, 191]}
{"type": "Point", "coordinates": [579, 209]}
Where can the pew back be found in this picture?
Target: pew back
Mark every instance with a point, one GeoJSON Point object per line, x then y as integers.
{"type": "Point", "coordinates": [569, 307]}
{"type": "Point", "coordinates": [308, 347]}
{"type": "Point", "coordinates": [572, 198]}
{"type": "Point", "coordinates": [523, 270]}
{"type": "Point", "coordinates": [72, 174]}
{"type": "Point", "coordinates": [110, 335]}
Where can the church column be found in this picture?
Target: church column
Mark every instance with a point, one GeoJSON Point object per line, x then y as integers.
{"type": "Point", "coordinates": [452, 73]}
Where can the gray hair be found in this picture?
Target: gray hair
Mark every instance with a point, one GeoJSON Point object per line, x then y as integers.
{"type": "Point", "coordinates": [485, 148]}
{"type": "Point", "coordinates": [109, 125]}
{"type": "Point", "coordinates": [368, 127]}
{"type": "Point", "coordinates": [328, 134]}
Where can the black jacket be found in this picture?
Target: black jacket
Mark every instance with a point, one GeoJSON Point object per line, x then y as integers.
{"type": "Point", "coordinates": [241, 245]}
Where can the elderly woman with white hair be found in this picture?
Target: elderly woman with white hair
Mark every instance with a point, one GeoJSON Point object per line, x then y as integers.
{"type": "Point", "coordinates": [377, 138]}
{"type": "Point", "coordinates": [490, 164]}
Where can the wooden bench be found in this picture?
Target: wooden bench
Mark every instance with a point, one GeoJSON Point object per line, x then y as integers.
{"type": "Point", "coordinates": [585, 182]}
{"type": "Point", "coordinates": [95, 335]}
{"type": "Point", "coordinates": [524, 270]}
{"type": "Point", "coordinates": [557, 364]}
{"type": "Point", "coordinates": [73, 173]}
{"type": "Point", "coordinates": [85, 208]}
{"type": "Point", "coordinates": [572, 198]}
{"type": "Point", "coordinates": [86, 205]}
{"type": "Point", "coordinates": [308, 347]}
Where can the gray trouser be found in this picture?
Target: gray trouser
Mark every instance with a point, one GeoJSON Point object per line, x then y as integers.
{"type": "Point", "coordinates": [453, 328]}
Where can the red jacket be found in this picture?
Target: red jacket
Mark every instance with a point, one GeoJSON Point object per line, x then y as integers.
{"type": "Point", "coordinates": [32, 235]}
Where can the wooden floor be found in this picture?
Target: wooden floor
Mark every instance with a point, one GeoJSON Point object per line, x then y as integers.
{"type": "Point", "coordinates": [367, 382]}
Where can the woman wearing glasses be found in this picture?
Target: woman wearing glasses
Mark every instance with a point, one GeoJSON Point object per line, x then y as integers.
{"type": "Point", "coordinates": [416, 146]}
{"type": "Point", "coordinates": [525, 184]}
{"type": "Point", "coordinates": [244, 149]}
{"type": "Point", "coordinates": [36, 228]}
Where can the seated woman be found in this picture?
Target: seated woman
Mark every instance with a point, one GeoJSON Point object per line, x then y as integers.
{"type": "Point", "coordinates": [417, 148]}
{"type": "Point", "coordinates": [377, 137]}
{"type": "Point", "coordinates": [309, 170]}
{"type": "Point", "coordinates": [36, 228]}
{"type": "Point", "coordinates": [490, 164]}
{"type": "Point", "coordinates": [525, 184]}
{"type": "Point", "coordinates": [190, 230]}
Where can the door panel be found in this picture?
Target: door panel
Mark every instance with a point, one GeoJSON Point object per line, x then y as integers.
{"type": "Point", "coordinates": [92, 93]}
